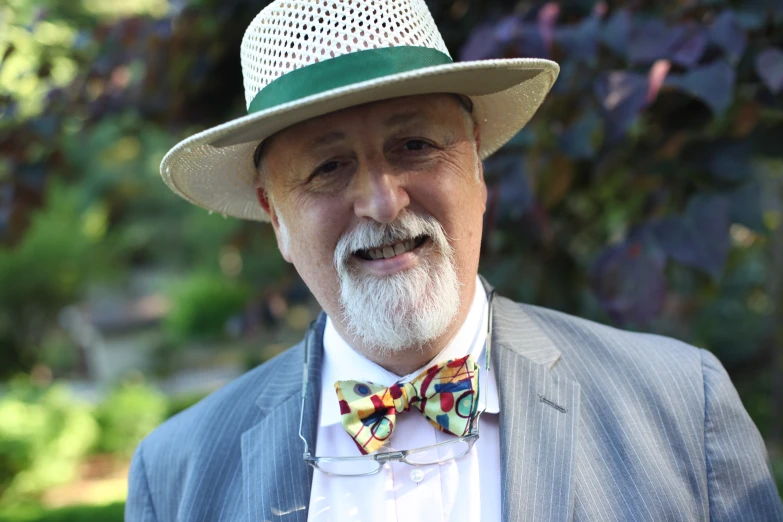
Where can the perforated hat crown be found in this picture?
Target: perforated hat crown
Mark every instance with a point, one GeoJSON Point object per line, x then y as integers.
{"type": "Point", "coordinates": [288, 35]}
{"type": "Point", "coordinates": [305, 58]}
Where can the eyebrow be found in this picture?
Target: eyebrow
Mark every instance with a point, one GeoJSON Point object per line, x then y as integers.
{"type": "Point", "coordinates": [326, 139]}
{"type": "Point", "coordinates": [403, 118]}
{"type": "Point", "coordinates": [336, 136]}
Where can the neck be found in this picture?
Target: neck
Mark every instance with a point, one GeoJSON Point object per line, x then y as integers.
{"type": "Point", "coordinates": [410, 358]}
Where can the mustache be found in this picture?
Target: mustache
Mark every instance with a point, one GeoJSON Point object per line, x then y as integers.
{"type": "Point", "coordinates": [371, 234]}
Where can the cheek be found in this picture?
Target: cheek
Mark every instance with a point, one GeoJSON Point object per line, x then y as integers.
{"type": "Point", "coordinates": [315, 244]}
{"type": "Point", "coordinates": [314, 236]}
{"type": "Point", "coordinates": [458, 202]}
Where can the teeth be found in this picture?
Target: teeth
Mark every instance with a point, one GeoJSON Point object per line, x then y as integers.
{"type": "Point", "coordinates": [388, 251]}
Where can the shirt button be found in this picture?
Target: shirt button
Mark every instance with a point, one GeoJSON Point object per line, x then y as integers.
{"type": "Point", "coordinates": [417, 475]}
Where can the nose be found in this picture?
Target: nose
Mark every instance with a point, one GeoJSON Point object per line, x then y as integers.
{"type": "Point", "coordinates": [379, 195]}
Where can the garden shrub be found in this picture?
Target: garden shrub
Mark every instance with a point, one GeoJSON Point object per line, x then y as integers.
{"type": "Point", "coordinates": [129, 412]}
{"type": "Point", "coordinates": [202, 304]}
{"type": "Point", "coordinates": [42, 274]}
{"type": "Point", "coordinates": [43, 436]}
{"type": "Point", "coordinates": [108, 513]}
{"type": "Point", "coordinates": [183, 402]}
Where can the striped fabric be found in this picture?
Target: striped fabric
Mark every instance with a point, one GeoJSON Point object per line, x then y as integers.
{"type": "Point", "coordinates": [597, 424]}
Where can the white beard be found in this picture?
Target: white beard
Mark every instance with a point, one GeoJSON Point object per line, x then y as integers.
{"type": "Point", "coordinates": [403, 310]}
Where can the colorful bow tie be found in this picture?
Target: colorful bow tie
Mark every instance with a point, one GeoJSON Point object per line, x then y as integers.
{"type": "Point", "coordinates": [446, 393]}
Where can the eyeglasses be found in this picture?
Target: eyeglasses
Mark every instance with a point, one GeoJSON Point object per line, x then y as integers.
{"type": "Point", "coordinates": [371, 464]}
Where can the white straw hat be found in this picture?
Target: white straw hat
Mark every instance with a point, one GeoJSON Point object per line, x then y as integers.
{"type": "Point", "coordinates": [306, 58]}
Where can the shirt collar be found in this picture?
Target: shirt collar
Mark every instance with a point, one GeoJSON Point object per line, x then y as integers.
{"type": "Point", "coordinates": [341, 362]}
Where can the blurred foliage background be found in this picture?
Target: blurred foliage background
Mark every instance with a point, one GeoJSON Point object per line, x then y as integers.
{"type": "Point", "coordinates": [647, 193]}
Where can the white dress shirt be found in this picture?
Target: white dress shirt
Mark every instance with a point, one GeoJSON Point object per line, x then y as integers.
{"type": "Point", "coordinates": [464, 490]}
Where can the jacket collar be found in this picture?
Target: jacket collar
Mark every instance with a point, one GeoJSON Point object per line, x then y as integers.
{"type": "Point", "coordinates": [538, 426]}
{"type": "Point", "coordinates": [539, 418]}
{"type": "Point", "coordinates": [514, 329]}
{"type": "Point", "coordinates": [275, 478]}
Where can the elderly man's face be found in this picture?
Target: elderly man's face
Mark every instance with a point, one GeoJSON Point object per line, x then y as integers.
{"type": "Point", "coordinates": [380, 209]}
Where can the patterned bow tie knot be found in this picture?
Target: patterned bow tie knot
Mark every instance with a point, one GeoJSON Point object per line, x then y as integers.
{"type": "Point", "coordinates": [446, 394]}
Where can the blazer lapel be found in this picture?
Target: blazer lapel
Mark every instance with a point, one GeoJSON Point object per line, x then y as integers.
{"type": "Point", "coordinates": [539, 417]}
{"type": "Point", "coordinates": [539, 414]}
{"type": "Point", "coordinates": [276, 480]}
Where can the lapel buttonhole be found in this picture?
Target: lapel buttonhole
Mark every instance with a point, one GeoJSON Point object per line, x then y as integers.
{"type": "Point", "coordinates": [546, 401]}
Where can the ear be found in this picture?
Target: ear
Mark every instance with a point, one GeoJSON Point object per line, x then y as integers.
{"type": "Point", "coordinates": [477, 140]}
{"type": "Point", "coordinates": [263, 200]}
{"type": "Point", "coordinates": [480, 164]}
{"type": "Point", "coordinates": [483, 187]}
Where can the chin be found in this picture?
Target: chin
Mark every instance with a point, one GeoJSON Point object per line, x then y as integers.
{"type": "Point", "coordinates": [401, 311]}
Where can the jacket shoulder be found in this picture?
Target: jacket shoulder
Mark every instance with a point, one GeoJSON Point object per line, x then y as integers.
{"type": "Point", "coordinates": [169, 466]}
{"type": "Point", "coordinates": [602, 345]}
{"type": "Point", "coordinates": [233, 405]}
{"type": "Point", "coordinates": [633, 375]}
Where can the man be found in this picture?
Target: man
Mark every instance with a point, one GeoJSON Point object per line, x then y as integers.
{"type": "Point", "coordinates": [363, 149]}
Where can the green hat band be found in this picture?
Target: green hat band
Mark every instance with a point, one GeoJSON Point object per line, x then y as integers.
{"type": "Point", "coordinates": [344, 70]}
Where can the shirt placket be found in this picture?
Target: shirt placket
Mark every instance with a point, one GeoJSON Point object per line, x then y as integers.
{"type": "Point", "coordinates": [415, 497]}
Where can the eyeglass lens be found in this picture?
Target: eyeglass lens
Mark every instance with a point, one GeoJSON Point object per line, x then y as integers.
{"type": "Point", "coordinates": [437, 455]}
{"type": "Point", "coordinates": [349, 467]}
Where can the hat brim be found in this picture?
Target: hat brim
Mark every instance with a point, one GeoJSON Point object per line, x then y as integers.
{"type": "Point", "coordinates": [214, 169]}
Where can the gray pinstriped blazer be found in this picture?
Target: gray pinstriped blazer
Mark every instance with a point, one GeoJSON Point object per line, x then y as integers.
{"type": "Point", "coordinates": [597, 424]}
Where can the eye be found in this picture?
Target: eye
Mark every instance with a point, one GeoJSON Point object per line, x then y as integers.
{"type": "Point", "coordinates": [415, 145]}
{"type": "Point", "coordinates": [327, 168]}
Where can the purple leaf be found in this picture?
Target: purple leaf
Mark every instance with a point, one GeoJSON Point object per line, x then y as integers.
{"type": "Point", "coordinates": [162, 28]}
{"type": "Point", "coordinates": [726, 160]}
{"type": "Point", "coordinates": [730, 161]}
{"type": "Point", "coordinates": [628, 279]}
{"type": "Point", "coordinates": [616, 32]}
{"type": "Point", "coordinates": [507, 29]}
{"type": "Point", "coordinates": [515, 195]}
{"type": "Point", "coordinates": [492, 40]}
{"type": "Point", "coordinates": [747, 208]}
{"type": "Point", "coordinates": [578, 140]}
{"type": "Point", "coordinates": [531, 42]}
{"type": "Point", "coordinates": [727, 34]}
{"type": "Point", "coordinates": [580, 41]}
{"type": "Point", "coordinates": [713, 84]}
{"type": "Point", "coordinates": [700, 237]}
{"type": "Point", "coordinates": [482, 44]}
{"type": "Point", "coordinates": [547, 16]}
{"type": "Point", "coordinates": [690, 48]}
{"type": "Point", "coordinates": [622, 96]}
{"type": "Point", "coordinates": [769, 67]}
{"type": "Point", "coordinates": [653, 40]}
{"type": "Point", "coordinates": [752, 16]}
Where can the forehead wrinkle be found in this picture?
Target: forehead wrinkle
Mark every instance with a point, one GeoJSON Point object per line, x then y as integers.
{"type": "Point", "coordinates": [402, 116]}
{"type": "Point", "coordinates": [400, 119]}
{"type": "Point", "coordinates": [325, 140]}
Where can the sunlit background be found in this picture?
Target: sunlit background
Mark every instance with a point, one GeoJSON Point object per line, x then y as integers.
{"type": "Point", "coordinates": [646, 193]}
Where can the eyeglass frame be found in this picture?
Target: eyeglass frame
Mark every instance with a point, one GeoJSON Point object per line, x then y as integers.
{"type": "Point", "coordinates": [395, 456]}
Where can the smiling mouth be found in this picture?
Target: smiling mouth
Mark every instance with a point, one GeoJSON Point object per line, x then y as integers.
{"type": "Point", "coordinates": [391, 250]}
